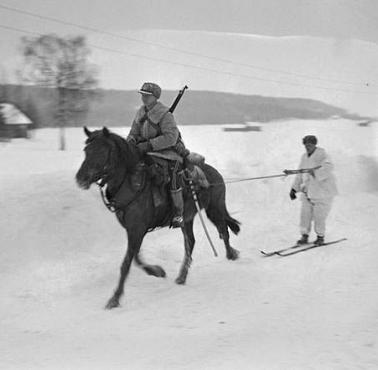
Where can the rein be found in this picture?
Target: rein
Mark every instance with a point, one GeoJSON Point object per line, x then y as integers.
{"type": "Point", "coordinates": [110, 205]}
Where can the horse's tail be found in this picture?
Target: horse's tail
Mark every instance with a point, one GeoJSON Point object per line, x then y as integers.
{"type": "Point", "coordinates": [232, 223]}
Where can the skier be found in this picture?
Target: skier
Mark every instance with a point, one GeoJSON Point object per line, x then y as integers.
{"type": "Point", "coordinates": [318, 188]}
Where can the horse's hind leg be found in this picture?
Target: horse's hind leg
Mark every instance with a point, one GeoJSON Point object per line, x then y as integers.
{"type": "Point", "coordinates": [231, 253]}
{"type": "Point", "coordinates": [153, 270]}
{"type": "Point", "coordinates": [134, 242]}
{"type": "Point", "coordinates": [189, 241]}
{"type": "Point", "coordinates": [218, 219]}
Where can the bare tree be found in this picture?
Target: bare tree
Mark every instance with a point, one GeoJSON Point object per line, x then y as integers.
{"type": "Point", "coordinates": [61, 63]}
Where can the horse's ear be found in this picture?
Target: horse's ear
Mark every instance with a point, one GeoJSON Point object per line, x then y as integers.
{"type": "Point", "coordinates": [87, 132]}
{"type": "Point", "coordinates": [105, 131]}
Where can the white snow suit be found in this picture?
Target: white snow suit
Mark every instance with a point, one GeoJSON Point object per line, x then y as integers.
{"type": "Point", "coordinates": [318, 191]}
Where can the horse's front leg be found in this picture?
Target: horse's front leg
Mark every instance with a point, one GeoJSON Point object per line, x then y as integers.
{"type": "Point", "coordinates": [134, 242]}
{"type": "Point", "coordinates": [189, 241]}
{"type": "Point", "coordinates": [153, 270]}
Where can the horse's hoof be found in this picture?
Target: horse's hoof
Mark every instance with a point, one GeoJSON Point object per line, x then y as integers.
{"type": "Point", "coordinates": [180, 280]}
{"type": "Point", "coordinates": [155, 271]}
{"type": "Point", "coordinates": [113, 303]}
{"type": "Point", "coordinates": [232, 254]}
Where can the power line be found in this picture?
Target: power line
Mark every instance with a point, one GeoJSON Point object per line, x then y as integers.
{"type": "Point", "coordinates": [20, 30]}
{"type": "Point", "coordinates": [201, 68]}
{"type": "Point", "coordinates": [223, 60]}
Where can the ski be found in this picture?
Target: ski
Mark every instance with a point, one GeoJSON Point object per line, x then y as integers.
{"type": "Point", "coordinates": [273, 253]}
{"type": "Point", "coordinates": [310, 246]}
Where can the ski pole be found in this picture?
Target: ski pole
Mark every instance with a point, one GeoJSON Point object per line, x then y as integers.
{"type": "Point", "coordinates": [195, 198]}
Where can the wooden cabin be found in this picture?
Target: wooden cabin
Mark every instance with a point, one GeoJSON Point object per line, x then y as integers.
{"type": "Point", "coordinates": [13, 122]}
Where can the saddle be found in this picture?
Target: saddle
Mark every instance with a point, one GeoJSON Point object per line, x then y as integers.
{"type": "Point", "coordinates": [166, 154]}
{"type": "Point", "coordinates": [167, 166]}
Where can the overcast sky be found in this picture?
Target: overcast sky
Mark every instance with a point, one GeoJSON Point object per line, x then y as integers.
{"type": "Point", "coordinates": [326, 18]}
{"type": "Point", "coordinates": [334, 57]}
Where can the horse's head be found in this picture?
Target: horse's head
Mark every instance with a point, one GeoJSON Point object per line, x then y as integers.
{"type": "Point", "coordinates": [97, 157]}
{"type": "Point", "coordinates": [104, 151]}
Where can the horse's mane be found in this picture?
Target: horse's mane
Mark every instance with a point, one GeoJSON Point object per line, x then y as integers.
{"type": "Point", "coordinates": [127, 151]}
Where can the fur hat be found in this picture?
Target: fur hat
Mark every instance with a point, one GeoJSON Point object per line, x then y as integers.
{"type": "Point", "coordinates": [149, 88]}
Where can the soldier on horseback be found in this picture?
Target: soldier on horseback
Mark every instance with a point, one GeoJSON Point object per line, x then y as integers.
{"type": "Point", "coordinates": [154, 129]}
{"type": "Point", "coordinates": [114, 162]}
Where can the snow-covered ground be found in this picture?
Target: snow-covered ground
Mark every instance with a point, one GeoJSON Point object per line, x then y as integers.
{"type": "Point", "coordinates": [60, 252]}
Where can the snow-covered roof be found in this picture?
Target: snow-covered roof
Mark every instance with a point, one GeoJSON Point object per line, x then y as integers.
{"type": "Point", "coordinates": [13, 116]}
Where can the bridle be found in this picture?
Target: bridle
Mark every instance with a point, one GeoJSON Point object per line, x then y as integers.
{"type": "Point", "coordinates": [102, 183]}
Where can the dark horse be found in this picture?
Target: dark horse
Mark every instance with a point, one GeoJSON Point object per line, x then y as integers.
{"type": "Point", "coordinates": [111, 160]}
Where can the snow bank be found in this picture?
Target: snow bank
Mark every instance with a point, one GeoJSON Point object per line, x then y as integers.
{"type": "Point", "coordinates": [60, 251]}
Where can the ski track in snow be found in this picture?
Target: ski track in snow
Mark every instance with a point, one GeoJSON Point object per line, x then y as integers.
{"type": "Point", "coordinates": [60, 252]}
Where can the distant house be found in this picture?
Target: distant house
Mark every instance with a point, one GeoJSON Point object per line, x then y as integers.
{"type": "Point", "coordinates": [244, 127]}
{"type": "Point", "coordinates": [364, 123]}
{"type": "Point", "coordinates": [13, 123]}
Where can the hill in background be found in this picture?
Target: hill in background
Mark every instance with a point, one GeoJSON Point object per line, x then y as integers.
{"type": "Point", "coordinates": [117, 107]}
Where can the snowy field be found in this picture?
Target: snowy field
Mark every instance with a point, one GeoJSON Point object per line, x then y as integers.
{"type": "Point", "coordinates": [60, 252]}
